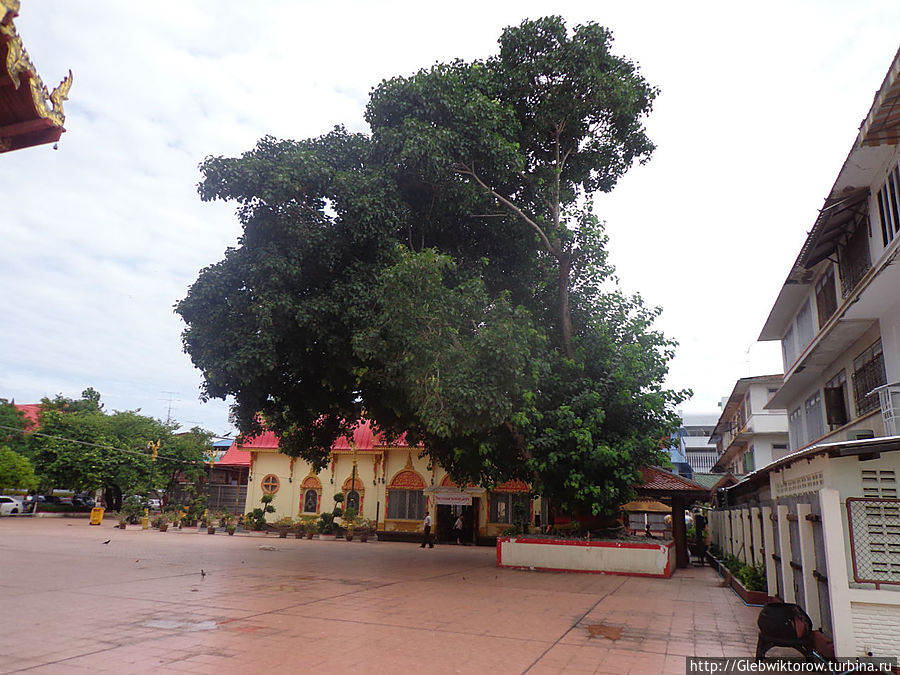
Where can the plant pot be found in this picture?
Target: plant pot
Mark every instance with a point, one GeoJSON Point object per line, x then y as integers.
{"type": "Point", "coordinates": [282, 535]}
{"type": "Point", "coordinates": [349, 536]}
{"type": "Point", "coordinates": [231, 531]}
{"type": "Point", "coordinates": [163, 527]}
{"type": "Point", "coordinates": [122, 526]}
{"type": "Point", "coordinates": [309, 535]}
{"type": "Point", "coordinates": [298, 535]}
{"type": "Point", "coordinates": [364, 536]}
{"type": "Point", "coordinates": [211, 529]}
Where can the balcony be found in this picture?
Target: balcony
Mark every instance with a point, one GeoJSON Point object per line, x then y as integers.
{"type": "Point", "coordinates": [889, 400]}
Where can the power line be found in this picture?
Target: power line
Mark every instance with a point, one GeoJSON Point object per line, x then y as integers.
{"type": "Point", "coordinates": [96, 445]}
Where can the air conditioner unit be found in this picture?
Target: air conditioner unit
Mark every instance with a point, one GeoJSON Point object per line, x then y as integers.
{"type": "Point", "coordinates": [860, 434]}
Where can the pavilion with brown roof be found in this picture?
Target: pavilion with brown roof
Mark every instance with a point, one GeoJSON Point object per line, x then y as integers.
{"type": "Point", "coordinates": [680, 493]}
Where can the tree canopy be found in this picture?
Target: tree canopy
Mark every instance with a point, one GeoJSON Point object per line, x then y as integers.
{"type": "Point", "coordinates": [80, 447]}
{"type": "Point", "coordinates": [446, 276]}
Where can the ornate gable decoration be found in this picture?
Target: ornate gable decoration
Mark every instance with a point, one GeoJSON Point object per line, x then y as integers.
{"type": "Point", "coordinates": [407, 479]}
{"type": "Point", "coordinates": [311, 483]}
{"type": "Point", "coordinates": [512, 486]}
{"type": "Point", "coordinates": [29, 113]}
{"type": "Point", "coordinates": [359, 487]}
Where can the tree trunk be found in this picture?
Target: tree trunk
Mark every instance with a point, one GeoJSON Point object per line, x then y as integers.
{"type": "Point", "coordinates": [565, 316]}
{"type": "Point", "coordinates": [112, 495]}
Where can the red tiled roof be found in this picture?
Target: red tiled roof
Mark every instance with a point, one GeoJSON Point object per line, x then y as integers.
{"type": "Point", "coordinates": [234, 456]}
{"type": "Point", "coordinates": [660, 479]}
{"type": "Point", "coordinates": [32, 413]}
{"type": "Point", "coordinates": [267, 439]}
{"type": "Point", "coordinates": [362, 438]}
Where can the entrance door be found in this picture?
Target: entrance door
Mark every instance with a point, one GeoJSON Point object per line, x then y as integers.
{"type": "Point", "coordinates": [444, 524]}
{"type": "Point", "coordinates": [470, 522]}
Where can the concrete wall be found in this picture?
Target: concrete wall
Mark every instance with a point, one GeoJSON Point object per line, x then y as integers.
{"type": "Point", "coordinates": [875, 627]}
{"type": "Point", "coordinates": [652, 560]}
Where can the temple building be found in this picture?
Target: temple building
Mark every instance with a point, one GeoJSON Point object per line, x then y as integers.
{"type": "Point", "coordinates": [30, 114]}
{"type": "Point", "coordinates": [388, 483]}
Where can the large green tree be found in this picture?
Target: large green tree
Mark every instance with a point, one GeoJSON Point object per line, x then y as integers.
{"type": "Point", "coordinates": [15, 471]}
{"type": "Point", "coordinates": [80, 447]}
{"type": "Point", "coordinates": [12, 426]}
{"type": "Point", "coordinates": [446, 274]}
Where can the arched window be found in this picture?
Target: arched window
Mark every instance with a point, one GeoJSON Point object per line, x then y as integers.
{"type": "Point", "coordinates": [354, 493]}
{"type": "Point", "coordinates": [405, 496]}
{"type": "Point", "coordinates": [510, 503]}
{"type": "Point", "coordinates": [310, 494]}
{"type": "Point", "coordinates": [270, 484]}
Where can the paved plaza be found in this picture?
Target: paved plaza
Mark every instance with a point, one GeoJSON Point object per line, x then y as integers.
{"type": "Point", "coordinates": [72, 604]}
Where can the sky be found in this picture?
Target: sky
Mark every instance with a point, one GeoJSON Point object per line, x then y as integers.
{"type": "Point", "coordinates": [759, 105]}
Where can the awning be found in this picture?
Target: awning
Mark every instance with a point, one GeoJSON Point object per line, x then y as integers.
{"type": "Point", "coordinates": [839, 218]}
{"type": "Point", "coordinates": [646, 506]}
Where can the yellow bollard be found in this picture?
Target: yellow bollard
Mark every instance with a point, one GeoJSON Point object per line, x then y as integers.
{"type": "Point", "coordinates": [145, 521]}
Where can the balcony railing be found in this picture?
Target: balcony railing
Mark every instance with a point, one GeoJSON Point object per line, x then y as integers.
{"type": "Point", "coordinates": [889, 400]}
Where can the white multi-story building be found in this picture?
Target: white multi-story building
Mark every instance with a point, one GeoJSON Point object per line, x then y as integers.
{"type": "Point", "coordinates": [694, 445]}
{"type": "Point", "coordinates": [824, 520]}
{"type": "Point", "coordinates": [838, 314]}
{"type": "Point", "coordinates": [747, 435]}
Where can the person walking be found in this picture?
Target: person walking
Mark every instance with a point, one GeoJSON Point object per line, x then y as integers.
{"type": "Point", "coordinates": [458, 528]}
{"type": "Point", "coordinates": [427, 538]}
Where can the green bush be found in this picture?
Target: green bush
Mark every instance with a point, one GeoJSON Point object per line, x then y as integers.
{"type": "Point", "coordinates": [256, 519]}
{"type": "Point", "coordinates": [753, 577]}
{"type": "Point", "coordinates": [326, 523]}
{"type": "Point", "coordinates": [62, 508]}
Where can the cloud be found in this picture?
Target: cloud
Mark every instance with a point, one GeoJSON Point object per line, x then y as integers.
{"type": "Point", "coordinates": [757, 111]}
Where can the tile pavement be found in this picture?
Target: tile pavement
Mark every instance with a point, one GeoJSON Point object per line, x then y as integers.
{"type": "Point", "coordinates": [140, 604]}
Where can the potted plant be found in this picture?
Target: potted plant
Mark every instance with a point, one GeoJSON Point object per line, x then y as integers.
{"type": "Point", "coordinates": [310, 526]}
{"type": "Point", "coordinates": [228, 520]}
{"type": "Point", "coordinates": [349, 522]}
{"type": "Point", "coordinates": [326, 525]}
{"type": "Point", "coordinates": [212, 521]}
{"type": "Point", "coordinates": [123, 520]}
{"type": "Point", "coordinates": [132, 510]}
{"type": "Point", "coordinates": [284, 525]}
{"type": "Point", "coordinates": [363, 528]}
{"type": "Point", "coordinates": [256, 519]}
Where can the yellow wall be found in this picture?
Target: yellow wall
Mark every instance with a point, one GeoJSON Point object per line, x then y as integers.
{"type": "Point", "coordinates": [288, 499]}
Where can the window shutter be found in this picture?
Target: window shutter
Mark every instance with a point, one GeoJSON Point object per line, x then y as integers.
{"type": "Point", "coordinates": [835, 408]}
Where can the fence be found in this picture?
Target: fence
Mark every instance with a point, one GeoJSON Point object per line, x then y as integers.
{"type": "Point", "coordinates": [232, 498]}
{"type": "Point", "coordinates": [829, 557]}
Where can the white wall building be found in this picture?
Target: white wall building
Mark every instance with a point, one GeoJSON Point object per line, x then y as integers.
{"type": "Point", "coordinates": [838, 314]}
{"type": "Point", "coordinates": [694, 441]}
{"type": "Point", "coordinates": [824, 520]}
{"type": "Point", "coordinates": [747, 434]}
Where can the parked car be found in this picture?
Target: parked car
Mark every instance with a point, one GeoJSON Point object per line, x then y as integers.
{"type": "Point", "coordinates": [10, 506]}
{"type": "Point", "coordinates": [83, 499]}
{"type": "Point", "coordinates": [154, 504]}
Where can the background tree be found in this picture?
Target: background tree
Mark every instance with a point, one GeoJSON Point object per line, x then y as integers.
{"type": "Point", "coordinates": [183, 458]}
{"type": "Point", "coordinates": [81, 448]}
{"type": "Point", "coordinates": [12, 426]}
{"type": "Point", "coordinates": [15, 471]}
{"type": "Point", "coordinates": [447, 273]}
